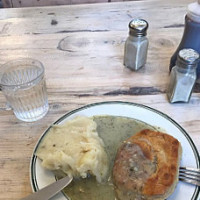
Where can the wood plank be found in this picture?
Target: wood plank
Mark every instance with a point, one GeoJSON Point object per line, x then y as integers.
{"type": "Point", "coordinates": [43, 18]}
{"type": "Point", "coordinates": [51, 47]}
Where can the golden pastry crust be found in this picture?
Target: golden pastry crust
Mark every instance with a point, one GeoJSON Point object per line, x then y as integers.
{"type": "Point", "coordinates": [166, 149]}
{"type": "Point", "coordinates": [160, 152]}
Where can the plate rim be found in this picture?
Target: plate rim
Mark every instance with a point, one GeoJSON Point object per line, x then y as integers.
{"type": "Point", "coordinates": [33, 180]}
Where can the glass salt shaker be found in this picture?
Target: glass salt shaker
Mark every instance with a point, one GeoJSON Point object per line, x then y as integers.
{"type": "Point", "coordinates": [183, 76]}
{"type": "Point", "coordinates": [136, 45]}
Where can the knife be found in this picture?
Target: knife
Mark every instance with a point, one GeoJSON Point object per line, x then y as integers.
{"type": "Point", "coordinates": [50, 190]}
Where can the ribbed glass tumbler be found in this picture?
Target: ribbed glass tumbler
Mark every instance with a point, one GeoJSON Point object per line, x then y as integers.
{"type": "Point", "coordinates": [23, 84]}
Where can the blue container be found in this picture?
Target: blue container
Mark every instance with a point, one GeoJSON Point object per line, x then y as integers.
{"type": "Point", "coordinates": [191, 35]}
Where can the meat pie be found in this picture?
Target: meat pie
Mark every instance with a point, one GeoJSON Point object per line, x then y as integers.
{"type": "Point", "coordinates": [146, 166]}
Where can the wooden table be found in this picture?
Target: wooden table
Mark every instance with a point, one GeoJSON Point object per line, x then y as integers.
{"type": "Point", "coordinates": [82, 48]}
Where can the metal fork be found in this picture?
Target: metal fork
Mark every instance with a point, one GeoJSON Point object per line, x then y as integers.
{"type": "Point", "coordinates": [189, 175]}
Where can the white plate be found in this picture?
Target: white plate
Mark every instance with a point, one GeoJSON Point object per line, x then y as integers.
{"type": "Point", "coordinates": [41, 177]}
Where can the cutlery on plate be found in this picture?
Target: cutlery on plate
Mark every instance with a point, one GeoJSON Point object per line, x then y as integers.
{"type": "Point", "coordinates": [186, 174]}
{"type": "Point", "coordinates": [50, 190]}
{"type": "Point", "coordinates": [189, 175]}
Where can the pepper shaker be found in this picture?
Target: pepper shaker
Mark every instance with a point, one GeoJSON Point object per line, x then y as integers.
{"type": "Point", "coordinates": [183, 76]}
{"type": "Point", "coordinates": [136, 45]}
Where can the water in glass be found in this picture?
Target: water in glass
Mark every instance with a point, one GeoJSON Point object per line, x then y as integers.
{"type": "Point", "coordinates": [24, 87]}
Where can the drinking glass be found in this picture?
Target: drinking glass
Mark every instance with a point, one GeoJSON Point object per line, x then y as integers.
{"type": "Point", "coordinates": [23, 84]}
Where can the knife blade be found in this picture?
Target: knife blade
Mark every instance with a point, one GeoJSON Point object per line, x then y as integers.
{"type": "Point", "coordinates": [50, 190]}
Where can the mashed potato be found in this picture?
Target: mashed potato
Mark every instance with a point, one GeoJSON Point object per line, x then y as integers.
{"type": "Point", "coordinates": [75, 148]}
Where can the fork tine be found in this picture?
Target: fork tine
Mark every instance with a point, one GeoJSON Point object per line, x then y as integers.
{"type": "Point", "coordinates": [189, 175]}
{"type": "Point", "coordinates": [192, 177]}
{"type": "Point", "coordinates": [189, 169]}
{"type": "Point", "coordinates": [193, 182]}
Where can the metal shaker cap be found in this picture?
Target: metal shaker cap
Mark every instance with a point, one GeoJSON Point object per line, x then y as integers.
{"type": "Point", "coordinates": [138, 27]}
{"type": "Point", "coordinates": [187, 58]}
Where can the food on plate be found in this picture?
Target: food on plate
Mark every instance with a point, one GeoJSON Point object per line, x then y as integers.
{"type": "Point", "coordinates": [75, 148]}
{"type": "Point", "coordinates": [94, 145]}
{"type": "Point", "coordinates": [113, 130]}
{"type": "Point", "coordinates": [146, 166]}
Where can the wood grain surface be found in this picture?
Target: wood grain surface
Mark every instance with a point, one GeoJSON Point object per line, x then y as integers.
{"type": "Point", "coordinates": [81, 47]}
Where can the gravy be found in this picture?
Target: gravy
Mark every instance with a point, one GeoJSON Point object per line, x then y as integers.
{"type": "Point", "coordinates": [113, 130]}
